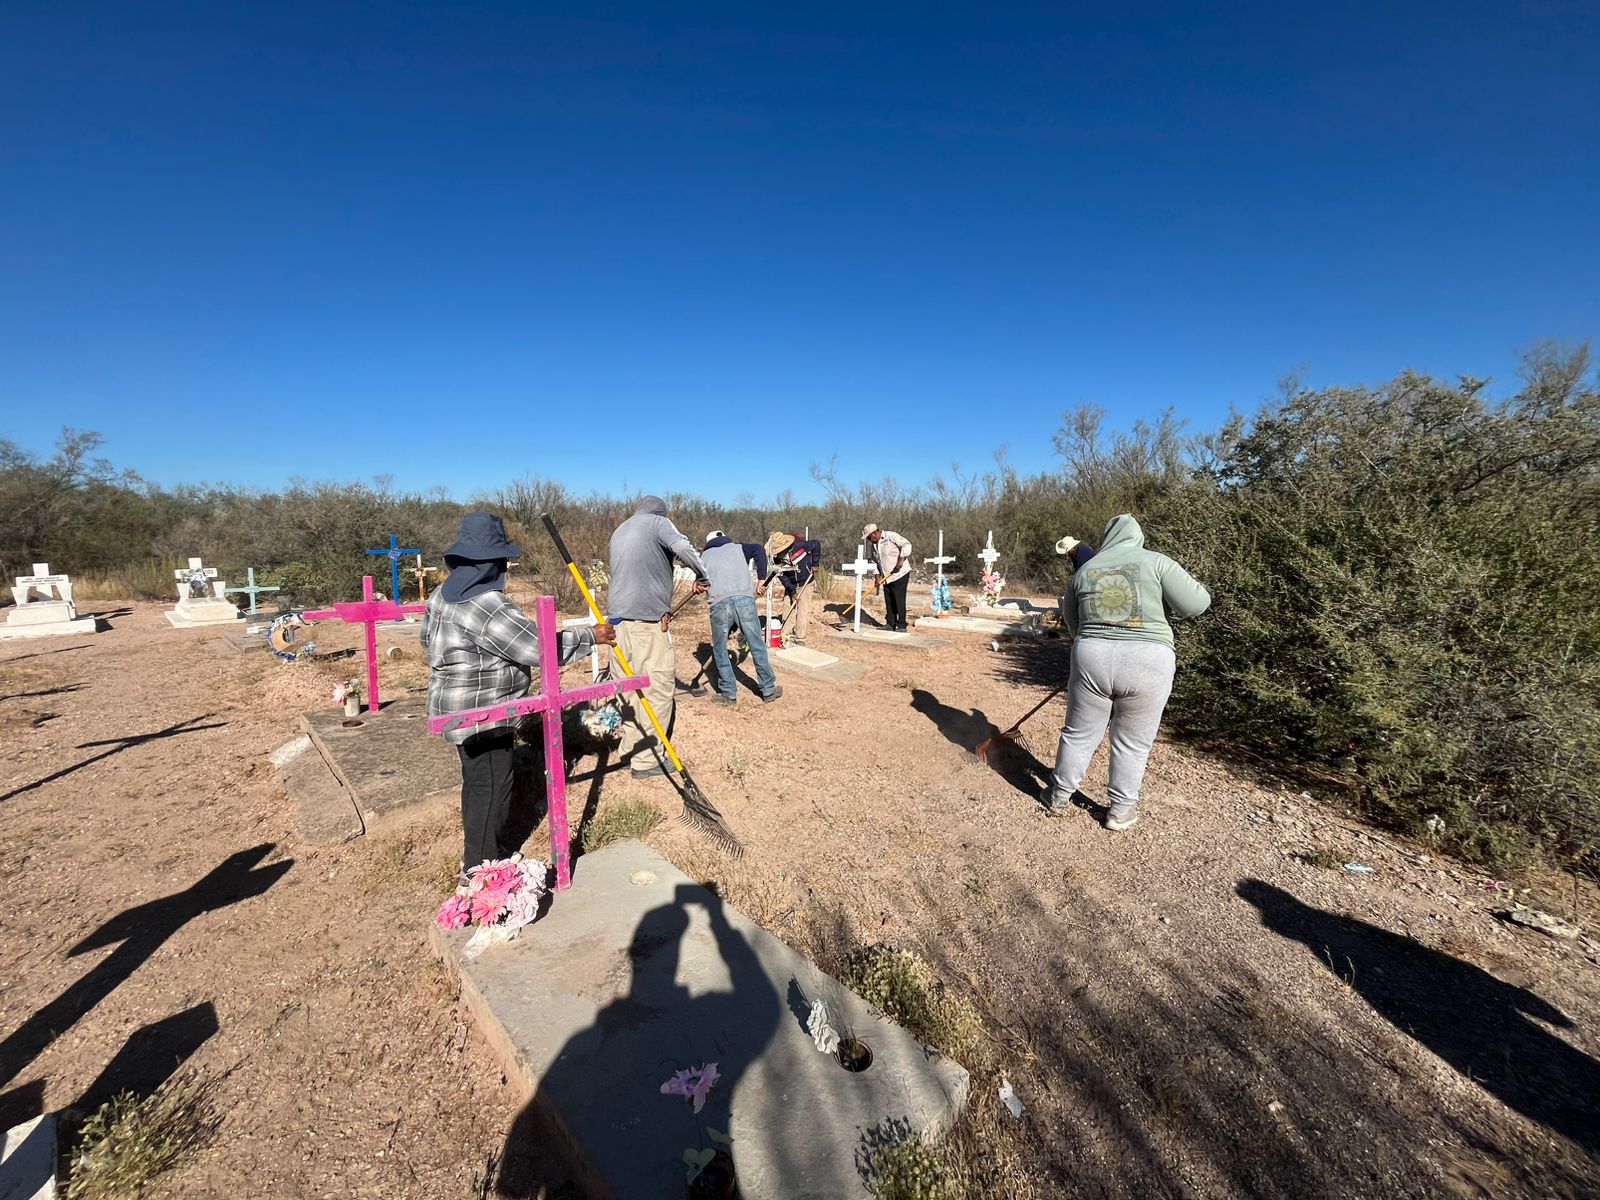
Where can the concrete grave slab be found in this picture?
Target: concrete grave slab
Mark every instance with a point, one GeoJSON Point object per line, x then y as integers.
{"type": "Point", "coordinates": [28, 1160]}
{"type": "Point", "coordinates": [327, 813]}
{"type": "Point", "coordinates": [638, 972]}
{"type": "Point", "coordinates": [814, 664]}
{"type": "Point", "coordinates": [957, 624]}
{"type": "Point", "coordinates": [906, 641]}
{"type": "Point", "coordinates": [386, 761]}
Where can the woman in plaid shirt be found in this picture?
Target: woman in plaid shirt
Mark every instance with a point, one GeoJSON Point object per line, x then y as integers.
{"type": "Point", "coordinates": [483, 650]}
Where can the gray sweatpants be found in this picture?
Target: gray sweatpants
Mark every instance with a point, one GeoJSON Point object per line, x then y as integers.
{"type": "Point", "coordinates": [1125, 683]}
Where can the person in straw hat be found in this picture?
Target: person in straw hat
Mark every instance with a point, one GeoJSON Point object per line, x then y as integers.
{"type": "Point", "coordinates": [794, 565]}
{"type": "Point", "coordinates": [893, 554]}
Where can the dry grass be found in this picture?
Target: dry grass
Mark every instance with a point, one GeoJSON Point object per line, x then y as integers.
{"type": "Point", "coordinates": [423, 857]}
{"type": "Point", "coordinates": [139, 581]}
{"type": "Point", "coordinates": [129, 1142]}
{"type": "Point", "coordinates": [1329, 858]}
{"type": "Point", "coordinates": [617, 822]}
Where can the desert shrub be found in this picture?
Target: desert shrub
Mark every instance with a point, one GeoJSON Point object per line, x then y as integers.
{"type": "Point", "coordinates": [128, 1142]}
{"type": "Point", "coordinates": [1404, 582]}
{"type": "Point", "coordinates": [904, 988]}
{"type": "Point", "coordinates": [910, 1169]}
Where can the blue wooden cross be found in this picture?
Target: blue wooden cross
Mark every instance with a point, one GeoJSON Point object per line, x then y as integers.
{"type": "Point", "coordinates": [393, 554]}
{"type": "Point", "coordinates": [252, 589]}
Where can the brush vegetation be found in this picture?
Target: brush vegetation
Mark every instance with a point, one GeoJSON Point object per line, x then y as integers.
{"type": "Point", "coordinates": [1404, 575]}
{"type": "Point", "coordinates": [129, 1142]}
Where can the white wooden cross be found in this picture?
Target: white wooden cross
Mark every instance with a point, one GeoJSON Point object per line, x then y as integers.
{"type": "Point", "coordinates": [59, 586]}
{"type": "Point", "coordinates": [195, 573]}
{"type": "Point", "coordinates": [989, 554]}
{"type": "Point", "coordinates": [859, 569]}
{"type": "Point", "coordinates": [594, 651]}
{"type": "Point", "coordinates": [942, 557]}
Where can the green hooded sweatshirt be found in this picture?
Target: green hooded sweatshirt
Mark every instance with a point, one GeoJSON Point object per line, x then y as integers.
{"type": "Point", "coordinates": [1126, 591]}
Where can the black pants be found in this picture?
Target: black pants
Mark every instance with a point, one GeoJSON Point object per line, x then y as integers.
{"type": "Point", "coordinates": [894, 601]}
{"type": "Point", "coordinates": [487, 781]}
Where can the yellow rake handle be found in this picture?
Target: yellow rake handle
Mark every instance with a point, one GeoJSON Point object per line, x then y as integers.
{"type": "Point", "coordinates": [622, 659]}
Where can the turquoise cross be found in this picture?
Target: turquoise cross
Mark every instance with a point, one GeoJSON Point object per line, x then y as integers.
{"type": "Point", "coordinates": [252, 589]}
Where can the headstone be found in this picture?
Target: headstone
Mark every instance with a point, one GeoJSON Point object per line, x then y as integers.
{"type": "Point", "coordinates": [989, 554]}
{"type": "Point", "coordinates": [251, 590]}
{"type": "Point", "coordinates": [645, 972]}
{"type": "Point", "coordinates": [393, 554]}
{"type": "Point", "coordinates": [44, 607]}
{"type": "Point", "coordinates": [941, 586]}
{"type": "Point", "coordinates": [859, 569]}
{"type": "Point", "coordinates": [28, 1160]}
{"type": "Point", "coordinates": [200, 598]}
{"type": "Point", "coordinates": [369, 612]}
{"type": "Point", "coordinates": [548, 704]}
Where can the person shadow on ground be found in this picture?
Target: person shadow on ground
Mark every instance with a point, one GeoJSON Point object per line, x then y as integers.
{"type": "Point", "coordinates": [1014, 762]}
{"type": "Point", "coordinates": [1483, 1027]}
{"type": "Point", "coordinates": [605, 1081]}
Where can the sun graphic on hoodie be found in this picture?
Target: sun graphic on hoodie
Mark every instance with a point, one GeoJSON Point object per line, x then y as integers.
{"type": "Point", "coordinates": [1114, 595]}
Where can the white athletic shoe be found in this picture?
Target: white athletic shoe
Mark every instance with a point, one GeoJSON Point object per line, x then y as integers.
{"type": "Point", "coordinates": [1118, 824]}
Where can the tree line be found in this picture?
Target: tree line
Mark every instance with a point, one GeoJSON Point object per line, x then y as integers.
{"type": "Point", "coordinates": [1405, 575]}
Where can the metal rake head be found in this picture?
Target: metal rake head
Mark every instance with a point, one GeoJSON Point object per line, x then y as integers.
{"type": "Point", "coordinates": [699, 813]}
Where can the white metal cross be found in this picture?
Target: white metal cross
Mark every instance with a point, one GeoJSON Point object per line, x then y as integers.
{"type": "Point", "coordinates": [859, 569]}
{"type": "Point", "coordinates": [942, 557]}
{"type": "Point", "coordinates": [989, 554]}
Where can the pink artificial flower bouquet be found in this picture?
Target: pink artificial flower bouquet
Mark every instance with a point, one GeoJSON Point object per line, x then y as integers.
{"type": "Point", "coordinates": [499, 897]}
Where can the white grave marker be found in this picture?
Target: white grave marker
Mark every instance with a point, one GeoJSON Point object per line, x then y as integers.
{"type": "Point", "coordinates": [859, 569]}
{"type": "Point", "coordinates": [941, 558]}
{"type": "Point", "coordinates": [989, 554]}
{"type": "Point", "coordinates": [200, 598]}
{"type": "Point", "coordinates": [44, 607]}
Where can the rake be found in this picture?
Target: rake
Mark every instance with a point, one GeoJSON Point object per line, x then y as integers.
{"type": "Point", "coordinates": [698, 811]}
{"type": "Point", "coordinates": [1010, 735]}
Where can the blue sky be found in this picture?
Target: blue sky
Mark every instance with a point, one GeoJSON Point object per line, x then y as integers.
{"type": "Point", "coordinates": [700, 246]}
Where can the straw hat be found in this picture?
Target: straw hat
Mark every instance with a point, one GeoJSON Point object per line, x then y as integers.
{"type": "Point", "coordinates": [778, 541]}
{"type": "Point", "coordinates": [1066, 545]}
{"type": "Point", "coordinates": [868, 529]}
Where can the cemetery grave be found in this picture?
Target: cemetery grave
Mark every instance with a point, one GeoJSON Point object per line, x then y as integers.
{"type": "Point", "coordinates": [867, 822]}
{"type": "Point", "coordinates": [201, 600]}
{"type": "Point", "coordinates": [42, 607]}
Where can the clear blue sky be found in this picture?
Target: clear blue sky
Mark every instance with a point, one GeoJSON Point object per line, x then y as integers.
{"type": "Point", "coordinates": [699, 246]}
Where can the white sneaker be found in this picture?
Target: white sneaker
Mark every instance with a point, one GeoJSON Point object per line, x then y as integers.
{"type": "Point", "coordinates": [1118, 824]}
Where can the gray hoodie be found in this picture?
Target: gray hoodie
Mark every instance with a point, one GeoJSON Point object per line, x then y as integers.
{"type": "Point", "coordinates": [1128, 592]}
{"type": "Point", "coordinates": [642, 550]}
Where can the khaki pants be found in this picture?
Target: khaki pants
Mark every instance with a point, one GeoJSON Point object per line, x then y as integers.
{"type": "Point", "coordinates": [800, 611]}
{"type": "Point", "coordinates": [649, 652]}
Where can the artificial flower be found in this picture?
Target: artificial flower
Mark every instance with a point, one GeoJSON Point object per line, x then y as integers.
{"type": "Point", "coordinates": [694, 1084]}
{"type": "Point", "coordinates": [454, 912]}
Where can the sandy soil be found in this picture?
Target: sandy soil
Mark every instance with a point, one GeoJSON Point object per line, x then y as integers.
{"type": "Point", "coordinates": [1187, 1009]}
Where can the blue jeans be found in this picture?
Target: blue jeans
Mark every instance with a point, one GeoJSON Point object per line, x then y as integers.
{"type": "Point", "coordinates": [740, 611]}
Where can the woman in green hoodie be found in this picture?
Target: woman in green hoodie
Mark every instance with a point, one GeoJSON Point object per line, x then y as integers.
{"type": "Point", "coordinates": [1117, 612]}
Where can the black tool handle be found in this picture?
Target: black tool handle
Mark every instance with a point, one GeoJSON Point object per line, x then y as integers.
{"type": "Point", "coordinates": [555, 536]}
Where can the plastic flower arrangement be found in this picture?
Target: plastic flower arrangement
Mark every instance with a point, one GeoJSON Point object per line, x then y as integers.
{"type": "Point", "coordinates": [992, 583]}
{"type": "Point", "coordinates": [694, 1084]}
{"type": "Point", "coordinates": [941, 595]}
{"type": "Point", "coordinates": [499, 897]}
{"type": "Point", "coordinates": [346, 689]}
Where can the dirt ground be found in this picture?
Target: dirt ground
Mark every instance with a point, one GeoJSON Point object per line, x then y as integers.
{"type": "Point", "coordinates": [1186, 1009]}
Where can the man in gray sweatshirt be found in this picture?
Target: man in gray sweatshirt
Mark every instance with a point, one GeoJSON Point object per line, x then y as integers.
{"type": "Point", "coordinates": [639, 604]}
{"type": "Point", "coordinates": [733, 603]}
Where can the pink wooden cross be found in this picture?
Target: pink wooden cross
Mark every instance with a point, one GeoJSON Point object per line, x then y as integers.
{"type": "Point", "coordinates": [548, 703]}
{"type": "Point", "coordinates": [369, 612]}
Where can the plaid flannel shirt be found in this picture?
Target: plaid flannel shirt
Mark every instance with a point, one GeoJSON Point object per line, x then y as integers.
{"type": "Point", "coordinates": [483, 651]}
